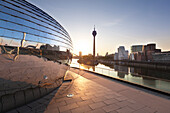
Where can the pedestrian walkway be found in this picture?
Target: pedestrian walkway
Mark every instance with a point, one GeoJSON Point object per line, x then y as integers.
{"type": "Point", "coordinates": [94, 94]}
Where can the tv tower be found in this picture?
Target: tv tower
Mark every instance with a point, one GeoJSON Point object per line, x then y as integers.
{"type": "Point", "coordinates": [94, 33]}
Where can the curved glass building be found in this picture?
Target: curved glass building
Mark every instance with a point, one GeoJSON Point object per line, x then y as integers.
{"type": "Point", "coordinates": [19, 16]}
{"type": "Point", "coordinates": [35, 51]}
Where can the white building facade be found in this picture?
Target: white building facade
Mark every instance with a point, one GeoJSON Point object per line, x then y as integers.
{"type": "Point", "coordinates": [122, 54]}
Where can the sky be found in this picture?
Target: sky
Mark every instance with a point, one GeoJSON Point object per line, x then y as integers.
{"type": "Point", "coordinates": [118, 22]}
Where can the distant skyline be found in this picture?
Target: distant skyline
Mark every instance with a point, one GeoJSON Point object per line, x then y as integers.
{"type": "Point", "coordinates": [118, 22]}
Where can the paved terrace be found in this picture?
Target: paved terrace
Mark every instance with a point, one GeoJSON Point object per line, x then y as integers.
{"type": "Point", "coordinates": [96, 94]}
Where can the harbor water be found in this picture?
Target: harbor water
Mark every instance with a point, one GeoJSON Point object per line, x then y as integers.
{"type": "Point", "coordinates": [155, 79]}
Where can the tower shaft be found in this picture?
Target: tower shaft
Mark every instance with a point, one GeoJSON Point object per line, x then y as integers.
{"type": "Point", "coordinates": [94, 50]}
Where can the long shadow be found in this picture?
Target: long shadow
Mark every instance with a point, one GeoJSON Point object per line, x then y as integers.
{"type": "Point", "coordinates": [12, 98]}
{"type": "Point", "coordinates": [39, 105]}
{"type": "Point", "coordinates": [15, 94]}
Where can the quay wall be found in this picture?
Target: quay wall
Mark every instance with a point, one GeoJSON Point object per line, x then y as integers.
{"type": "Point", "coordinates": [152, 65]}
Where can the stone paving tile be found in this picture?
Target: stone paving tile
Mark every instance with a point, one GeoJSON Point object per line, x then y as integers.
{"type": "Point", "coordinates": [111, 107]}
{"type": "Point", "coordinates": [79, 94]}
{"type": "Point", "coordinates": [161, 109]}
{"type": "Point", "coordinates": [110, 96]}
{"type": "Point", "coordinates": [59, 96]}
{"type": "Point", "coordinates": [74, 100]}
{"type": "Point", "coordinates": [62, 103]}
{"type": "Point", "coordinates": [136, 106]}
{"type": "Point", "coordinates": [99, 99]}
{"type": "Point", "coordinates": [97, 105]}
{"type": "Point", "coordinates": [97, 111]}
{"type": "Point", "coordinates": [121, 98]}
{"type": "Point", "coordinates": [89, 94]}
{"type": "Point", "coordinates": [56, 105]}
{"type": "Point", "coordinates": [68, 107]}
{"type": "Point", "coordinates": [110, 101]}
{"type": "Point", "coordinates": [99, 94]}
{"type": "Point", "coordinates": [85, 102]}
{"type": "Point", "coordinates": [131, 101]}
{"type": "Point", "coordinates": [117, 94]}
{"type": "Point", "coordinates": [79, 91]}
{"type": "Point", "coordinates": [87, 97]}
{"type": "Point", "coordinates": [113, 112]}
{"type": "Point", "coordinates": [82, 109]}
{"type": "Point", "coordinates": [125, 110]}
{"type": "Point", "coordinates": [66, 111]}
{"type": "Point", "coordinates": [61, 99]}
{"type": "Point", "coordinates": [149, 110]}
{"type": "Point", "coordinates": [52, 110]}
{"type": "Point", "coordinates": [144, 111]}
{"type": "Point", "coordinates": [123, 103]}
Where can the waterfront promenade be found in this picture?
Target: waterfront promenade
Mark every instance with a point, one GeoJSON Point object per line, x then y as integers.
{"type": "Point", "coordinates": [96, 94]}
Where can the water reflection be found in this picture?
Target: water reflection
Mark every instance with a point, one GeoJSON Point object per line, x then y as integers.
{"type": "Point", "coordinates": [149, 81]}
{"type": "Point", "coordinates": [165, 75]}
{"type": "Point", "coordinates": [121, 70]}
{"type": "Point", "coordinates": [87, 67]}
{"type": "Point", "coordinates": [148, 77]}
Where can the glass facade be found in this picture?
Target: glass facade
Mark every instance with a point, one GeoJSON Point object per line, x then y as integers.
{"type": "Point", "coordinates": [35, 53]}
{"type": "Point", "coordinates": [19, 16]}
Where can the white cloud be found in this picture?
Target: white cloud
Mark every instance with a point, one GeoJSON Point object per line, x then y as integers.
{"type": "Point", "coordinates": [113, 23]}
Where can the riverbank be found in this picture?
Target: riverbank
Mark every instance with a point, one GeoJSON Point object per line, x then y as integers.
{"type": "Point", "coordinates": [143, 64]}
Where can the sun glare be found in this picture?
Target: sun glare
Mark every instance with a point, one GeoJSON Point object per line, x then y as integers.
{"type": "Point", "coordinates": [84, 46]}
